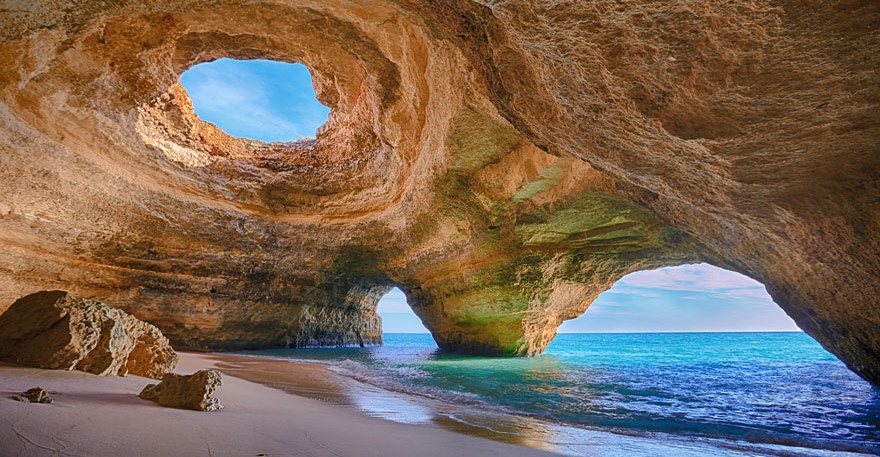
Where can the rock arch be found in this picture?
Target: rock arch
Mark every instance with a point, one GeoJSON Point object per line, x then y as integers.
{"type": "Point", "coordinates": [503, 162]}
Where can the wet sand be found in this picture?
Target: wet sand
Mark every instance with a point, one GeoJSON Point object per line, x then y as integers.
{"type": "Point", "coordinates": [103, 416]}
{"type": "Point", "coordinates": [316, 381]}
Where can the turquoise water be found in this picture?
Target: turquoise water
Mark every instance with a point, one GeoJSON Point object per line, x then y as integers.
{"type": "Point", "coordinates": [765, 388]}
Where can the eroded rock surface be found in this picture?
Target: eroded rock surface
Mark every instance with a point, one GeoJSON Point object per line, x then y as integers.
{"type": "Point", "coordinates": [502, 162]}
{"type": "Point", "coordinates": [194, 391]}
{"type": "Point", "coordinates": [54, 329]}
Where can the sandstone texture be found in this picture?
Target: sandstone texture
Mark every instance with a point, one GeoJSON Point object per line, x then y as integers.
{"type": "Point", "coordinates": [54, 329]}
{"type": "Point", "coordinates": [502, 162]}
{"type": "Point", "coordinates": [195, 391]}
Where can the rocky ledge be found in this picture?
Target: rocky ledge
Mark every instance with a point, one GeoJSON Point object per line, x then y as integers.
{"type": "Point", "coordinates": [54, 329]}
{"type": "Point", "coordinates": [502, 162]}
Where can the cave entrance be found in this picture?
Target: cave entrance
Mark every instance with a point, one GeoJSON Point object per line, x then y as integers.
{"type": "Point", "coordinates": [686, 298]}
{"type": "Point", "coordinates": [257, 99]}
{"type": "Point", "coordinates": [396, 314]}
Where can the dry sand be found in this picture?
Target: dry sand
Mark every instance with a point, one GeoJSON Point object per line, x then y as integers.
{"type": "Point", "coordinates": [103, 416]}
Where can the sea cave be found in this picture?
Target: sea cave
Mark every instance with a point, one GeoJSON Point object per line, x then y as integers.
{"type": "Point", "coordinates": [502, 164]}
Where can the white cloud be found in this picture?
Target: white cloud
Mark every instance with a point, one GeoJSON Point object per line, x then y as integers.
{"type": "Point", "coordinates": [698, 277]}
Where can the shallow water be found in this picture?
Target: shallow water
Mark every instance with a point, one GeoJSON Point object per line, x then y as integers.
{"type": "Point", "coordinates": [752, 393]}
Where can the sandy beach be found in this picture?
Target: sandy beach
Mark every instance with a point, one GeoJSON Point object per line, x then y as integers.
{"type": "Point", "coordinates": [103, 416]}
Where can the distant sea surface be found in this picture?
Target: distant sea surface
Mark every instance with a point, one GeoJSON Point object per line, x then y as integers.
{"type": "Point", "coordinates": [625, 394]}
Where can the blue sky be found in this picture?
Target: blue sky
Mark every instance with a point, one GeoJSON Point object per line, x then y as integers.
{"type": "Point", "coordinates": [257, 99]}
{"type": "Point", "coordinates": [689, 298]}
{"type": "Point", "coordinates": [274, 101]}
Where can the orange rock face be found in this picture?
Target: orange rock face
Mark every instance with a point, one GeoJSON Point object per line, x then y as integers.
{"type": "Point", "coordinates": [501, 162]}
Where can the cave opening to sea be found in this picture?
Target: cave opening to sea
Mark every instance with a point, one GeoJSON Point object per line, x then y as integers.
{"type": "Point", "coordinates": [695, 354]}
{"type": "Point", "coordinates": [262, 100]}
{"type": "Point", "coordinates": [685, 298]}
{"type": "Point", "coordinates": [397, 316]}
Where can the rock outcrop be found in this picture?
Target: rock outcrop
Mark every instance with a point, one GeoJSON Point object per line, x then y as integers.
{"type": "Point", "coordinates": [54, 329]}
{"type": "Point", "coordinates": [195, 391]}
{"type": "Point", "coordinates": [502, 162]}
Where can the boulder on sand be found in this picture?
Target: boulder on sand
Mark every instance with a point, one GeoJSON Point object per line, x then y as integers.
{"type": "Point", "coordinates": [36, 395]}
{"type": "Point", "coordinates": [195, 391]}
{"type": "Point", "coordinates": [54, 329]}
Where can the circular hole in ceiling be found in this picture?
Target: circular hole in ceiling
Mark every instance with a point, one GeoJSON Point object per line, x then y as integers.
{"type": "Point", "coordinates": [261, 100]}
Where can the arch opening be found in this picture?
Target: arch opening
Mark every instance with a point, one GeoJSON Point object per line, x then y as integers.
{"type": "Point", "coordinates": [396, 314]}
{"type": "Point", "coordinates": [686, 298]}
{"type": "Point", "coordinates": [263, 100]}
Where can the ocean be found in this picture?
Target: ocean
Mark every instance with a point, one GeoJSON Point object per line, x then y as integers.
{"type": "Point", "coordinates": [623, 394]}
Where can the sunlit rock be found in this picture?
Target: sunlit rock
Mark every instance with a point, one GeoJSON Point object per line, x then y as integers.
{"type": "Point", "coordinates": [54, 329]}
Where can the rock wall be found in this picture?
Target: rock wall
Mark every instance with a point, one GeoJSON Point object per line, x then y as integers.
{"type": "Point", "coordinates": [502, 162]}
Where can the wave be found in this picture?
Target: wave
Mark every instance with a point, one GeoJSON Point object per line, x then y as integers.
{"type": "Point", "coordinates": [387, 378]}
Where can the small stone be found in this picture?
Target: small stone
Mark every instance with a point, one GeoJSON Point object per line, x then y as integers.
{"type": "Point", "coordinates": [36, 395]}
{"type": "Point", "coordinates": [195, 391]}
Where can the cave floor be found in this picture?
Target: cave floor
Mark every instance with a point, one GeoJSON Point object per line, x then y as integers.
{"type": "Point", "coordinates": [103, 416]}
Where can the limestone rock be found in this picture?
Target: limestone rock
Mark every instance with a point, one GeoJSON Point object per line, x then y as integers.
{"type": "Point", "coordinates": [502, 162]}
{"type": "Point", "coordinates": [36, 395]}
{"type": "Point", "coordinates": [53, 329]}
{"type": "Point", "coordinates": [195, 391]}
